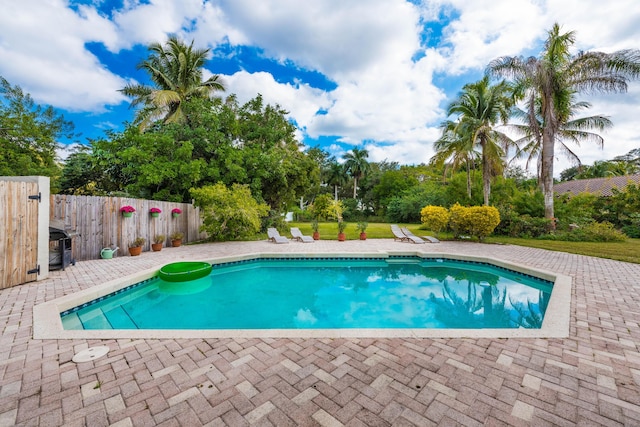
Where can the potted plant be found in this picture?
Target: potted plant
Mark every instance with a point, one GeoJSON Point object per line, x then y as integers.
{"type": "Point", "coordinates": [176, 238]}
{"type": "Point", "coordinates": [155, 212]}
{"type": "Point", "coordinates": [175, 212]}
{"type": "Point", "coordinates": [127, 211]}
{"type": "Point", "coordinates": [362, 227]}
{"type": "Point", "coordinates": [135, 247]}
{"type": "Point", "coordinates": [315, 226]}
{"type": "Point", "coordinates": [156, 246]}
{"type": "Point", "coordinates": [341, 227]}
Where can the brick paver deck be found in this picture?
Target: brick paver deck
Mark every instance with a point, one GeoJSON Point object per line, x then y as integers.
{"type": "Point", "coordinates": [590, 378]}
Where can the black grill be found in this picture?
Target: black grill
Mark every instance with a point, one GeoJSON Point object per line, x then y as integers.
{"type": "Point", "coordinates": [60, 249]}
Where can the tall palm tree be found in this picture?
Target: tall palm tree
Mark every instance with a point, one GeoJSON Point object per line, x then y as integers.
{"type": "Point", "coordinates": [176, 72]}
{"type": "Point", "coordinates": [356, 165]}
{"type": "Point", "coordinates": [572, 130]}
{"type": "Point", "coordinates": [335, 176]}
{"type": "Point", "coordinates": [553, 78]}
{"type": "Point", "coordinates": [455, 148]}
{"type": "Point", "coordinates": [481, 107]}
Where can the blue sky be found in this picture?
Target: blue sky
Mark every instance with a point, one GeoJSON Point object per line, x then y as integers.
{"type": "Point", "coordinates": [376, 74]}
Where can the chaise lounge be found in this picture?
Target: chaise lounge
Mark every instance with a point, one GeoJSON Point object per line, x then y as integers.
{"type": "Point", "coordinates": [297, 235]}
{"type": "Point", "coordinates": [275, 236]}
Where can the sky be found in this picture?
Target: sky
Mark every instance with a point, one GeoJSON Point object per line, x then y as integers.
{"type": "Point", "coordinates": [375, 74]}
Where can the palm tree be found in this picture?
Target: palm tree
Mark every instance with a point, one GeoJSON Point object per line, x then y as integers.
{"type": "Point", "coordinates": [480, 108]}
{"type": "Point", "coordinates": [572, 130]}
{"type": "Point", "coordinates": [553, 78]}
{"type": "Point", "coordinates": [455, 148]}
{"type": "Point", "coordinates": [356, 165]}
{"type": "Point", "coordinates": [176, 72]}
{"type": "Point", "coordinates": [335, 176]}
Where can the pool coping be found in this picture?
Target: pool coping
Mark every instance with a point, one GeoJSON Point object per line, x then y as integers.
{"type": "Point", "coordinates": [47, 323]}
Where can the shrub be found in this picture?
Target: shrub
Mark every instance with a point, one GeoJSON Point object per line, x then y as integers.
{"type": "Point", "coordinates": [435, 218]}
{"type": "Point", "coordinates": [482, 220]}
{"type": "Point", "coordinates": [324, 207]}
{"type": "Point", "coordinates": [593, 232]}
{"type": "Point", "coordinates": [457, 221]}
{"type": "Point", "coordinates": [229, 213]}
{"type": "Point", "coordinates": [477, 221]}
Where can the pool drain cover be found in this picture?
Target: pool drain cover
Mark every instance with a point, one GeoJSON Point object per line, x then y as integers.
{"type": "Point", "coordinates": [91, 353]}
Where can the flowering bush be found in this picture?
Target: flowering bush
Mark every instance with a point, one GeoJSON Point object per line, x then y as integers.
{"type": "Point", "coordinates": [155, 210]}
{"type": "Point", "coordinates": [176, 211]}
{"type": "Point", "coordinates": [127, 209]}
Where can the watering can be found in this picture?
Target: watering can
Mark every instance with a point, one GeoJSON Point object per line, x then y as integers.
{"type": "Point", "coordinates": [108, 253]}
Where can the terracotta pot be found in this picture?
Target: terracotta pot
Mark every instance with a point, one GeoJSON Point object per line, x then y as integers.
{"type": "Point", "coordinates": [156, 247]}
{"type": "Point", "coordinates": [316, 235]}
{"type": "Point", "coordinates": [363, 236]}
{"type": "Point", "coordinates": [135, 251]}
{"type": "Point", "coordinates": [176, 243]}
{"type": "Point", "coordinates": [341, 237]}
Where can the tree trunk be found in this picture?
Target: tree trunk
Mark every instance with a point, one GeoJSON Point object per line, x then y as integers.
{"type": "Point", "coordinates": [355, 186]}
{"type": "Point", "coordinates": [547, 174]}
{"type": "Point", "coordinates": [468, 181]}
{"type": "Point", "coordinates": [335, 192]}
{"type": "Point", "coordinates": [486, 174]}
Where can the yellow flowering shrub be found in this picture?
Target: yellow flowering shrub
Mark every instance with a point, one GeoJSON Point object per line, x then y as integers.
{"type": "Point", "coordinates": [482, 220]}
{"type": "Point", "coordinates": [476, 221]}
{"type": "Point", "coordinates": [435, 218]}
{"type": "Point", "coordinates": [457, 221]}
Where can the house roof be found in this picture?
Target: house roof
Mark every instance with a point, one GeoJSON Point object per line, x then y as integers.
{"type": "Point", "coordinates": [599, 186]}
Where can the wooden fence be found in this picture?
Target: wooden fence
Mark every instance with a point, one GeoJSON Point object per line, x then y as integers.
{"type": "Point", "coordinates": [97, 223]}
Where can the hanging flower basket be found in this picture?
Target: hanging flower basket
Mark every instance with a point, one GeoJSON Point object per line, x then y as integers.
{"type": "Point", "coordinates": [127, 211]}
{"type": "Point", "coordinates": [155, 212]}
{"type": "Point", "coordinates": [175, 212]}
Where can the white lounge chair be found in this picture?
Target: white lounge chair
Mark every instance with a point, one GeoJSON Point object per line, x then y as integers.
{"type": "Point", "coordinates": [412, 237]}
{"type": "Point", "coordinates": [297, 235]}
{"type": "Point", "coordinates": [275, 236]}
{"type": "Point", "coordinates": [431, 239]}
{"type": "Point", "coordinates": [398, 234]}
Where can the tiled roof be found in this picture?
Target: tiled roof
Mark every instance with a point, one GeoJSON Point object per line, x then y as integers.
{"type": "Point", "coordinates": [600, 186]}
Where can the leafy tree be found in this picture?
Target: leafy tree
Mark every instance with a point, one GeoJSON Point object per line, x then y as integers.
{"type": "Point", "coordinates": [29, 134]}
{"type": "Point", "coordinates": [574, 129]}
{"type": "Point", "coordinates": [176, 72]}
{"type": "Point", "coordinates": [80, 176]}
{"type": "Point", "coordinates": [336, 177]}
{"type": "Point", "coordinates": [480, 108]}
{"type": "Point", "coordinates": [229, 213]}
{"type": "Point", "coordinates": [356, 165]}
{"type": "Point", "coordinates": [549, 82]}
{"type": "Point", "coordinates": [456, 149]}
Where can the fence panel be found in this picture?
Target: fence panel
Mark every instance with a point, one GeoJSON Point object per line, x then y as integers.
{"type": "Point", "coordinates": [98, 223]}
{"type": "Point", "coordinates": [19, 238]}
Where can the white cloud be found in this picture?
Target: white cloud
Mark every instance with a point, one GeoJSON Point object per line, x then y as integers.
{"type": "Point", "coordinates": [384, 98]}
{"type": "Point", "coordinates": [42, 50]}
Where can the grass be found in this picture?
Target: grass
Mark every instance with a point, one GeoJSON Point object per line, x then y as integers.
{"type": "Point", "coordinates": [628, 251]}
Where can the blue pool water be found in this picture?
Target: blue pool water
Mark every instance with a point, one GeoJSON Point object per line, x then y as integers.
{"type": "Point", "coordinates": [402, 292]}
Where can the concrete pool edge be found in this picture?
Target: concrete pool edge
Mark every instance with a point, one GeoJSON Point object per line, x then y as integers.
{"type": "Point", "coordinates": [47, 323]}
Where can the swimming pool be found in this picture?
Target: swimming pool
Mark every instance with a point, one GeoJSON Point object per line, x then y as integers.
{"type": "Point", "coordinates": [279, 293]}
{"type": "Point", "coordinates": [426, 285]}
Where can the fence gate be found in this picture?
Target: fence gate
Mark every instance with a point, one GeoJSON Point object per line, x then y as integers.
{"type": "Point", "coordinates": [18, 232]}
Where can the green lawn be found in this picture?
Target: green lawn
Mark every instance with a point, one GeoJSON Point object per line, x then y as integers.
{"type": "Point", "coordinates": [628, 251]}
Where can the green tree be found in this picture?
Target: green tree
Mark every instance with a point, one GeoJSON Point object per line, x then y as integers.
{"type": "Point", "coordinates": [229, 213]}
{"type": "Point", "coordinates": [356, 165]}
{"type": "Point", "coordinates": [176, 72]}
{"type": "Point", "coordinates": [456, 149]}
{"type": "Point", "coordinates": [552, 79]}
{"type": "Point", "coordinates": [336, 177]}
{"type": "Point", "coordinates": [573, 129]}
{"type": "Point", "coordinates": [29, 134]}
{"type": "Point", "coordinates": [480, 107]}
